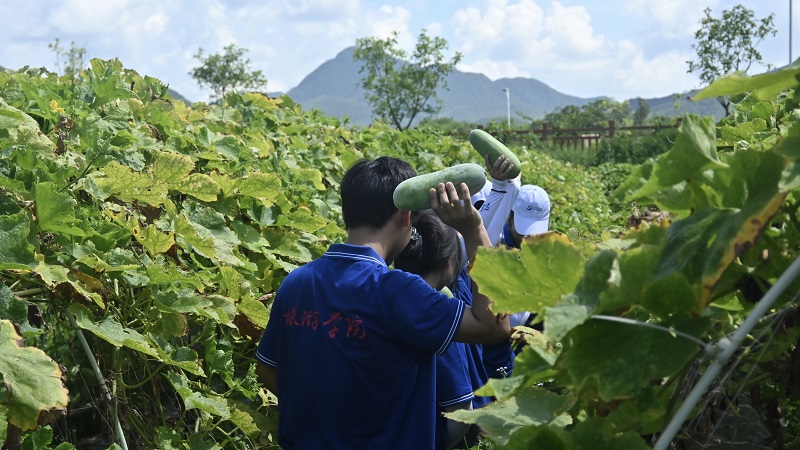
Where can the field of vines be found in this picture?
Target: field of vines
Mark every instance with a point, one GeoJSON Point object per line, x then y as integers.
{"type": "Point", "coordinates": [141, 242]}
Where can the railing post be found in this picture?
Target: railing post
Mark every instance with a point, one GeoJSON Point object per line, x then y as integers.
{"type": "Point", "coordinates": [611, 128]}
{"type": "Point", "coordinates": [545, 130]}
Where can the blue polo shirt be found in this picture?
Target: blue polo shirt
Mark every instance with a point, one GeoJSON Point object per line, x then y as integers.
{"type": "Point", "coordinates": [474, 352]}
{"type": "Point", "coordinates": [453, 385]}
{"type": "Point", "coordinates": [354, 346]}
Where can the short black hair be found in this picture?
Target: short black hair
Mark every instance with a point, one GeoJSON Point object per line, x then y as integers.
{"type": "Point", "coordinates": [367, 189]}
{"type": "Point", "coordinates": [435, 245]}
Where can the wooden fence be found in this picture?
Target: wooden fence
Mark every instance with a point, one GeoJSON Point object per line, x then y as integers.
{"type": "Point", "coordinates": [582, 137]}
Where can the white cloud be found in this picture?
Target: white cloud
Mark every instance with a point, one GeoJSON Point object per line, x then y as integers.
{"type": "Point", "coordinates": [656, 77]}
{"type": "Point", "coordinates": [675, 18]}
{"type": "Point", "coordinates": [560, 47]}
{"type": "Point", "coordinates": [387, 19]}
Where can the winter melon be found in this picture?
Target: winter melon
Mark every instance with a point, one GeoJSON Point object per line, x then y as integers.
{"type": "Point", "coordinates": [413, 193]}
{"type": "Point", "coordinates": [486, 144]}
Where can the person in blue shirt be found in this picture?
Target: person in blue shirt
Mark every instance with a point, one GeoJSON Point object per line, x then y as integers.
{"type": "Point", "coordinates": [439, 256]}
{"type": "Point", "coordinates": [350, 345]}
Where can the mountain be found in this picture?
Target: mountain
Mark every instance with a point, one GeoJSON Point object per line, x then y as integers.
{"type": "Point", "coordinates": [334, 87]}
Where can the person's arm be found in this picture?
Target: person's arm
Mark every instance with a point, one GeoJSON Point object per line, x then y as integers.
{"type": "Point", "coordinates": [456, 430]}
{"type": "Point", "coordinates": [447, 203]}
{"type": "Point", "coordinates": [479, 325]}
{"type": "Point", "coordinates": [268, 377]}
{"type": "Point", "coordinates": [499, 200]}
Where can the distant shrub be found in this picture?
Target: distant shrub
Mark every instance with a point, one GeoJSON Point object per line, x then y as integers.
{"type": "Point", "coordinates": [634, 148]}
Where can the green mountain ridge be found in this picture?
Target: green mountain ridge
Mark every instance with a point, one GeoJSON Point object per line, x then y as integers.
{"type": "Point", "coordinates": [334, 88]}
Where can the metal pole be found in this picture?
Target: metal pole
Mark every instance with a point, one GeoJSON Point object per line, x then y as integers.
{"type": "Point", "coordinates": [722, 351]}
{"type": "Point", "coordinates": [508, 106]}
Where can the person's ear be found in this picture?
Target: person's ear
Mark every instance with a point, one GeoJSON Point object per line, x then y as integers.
{"type": "Point", "coordinates": [404, 218]}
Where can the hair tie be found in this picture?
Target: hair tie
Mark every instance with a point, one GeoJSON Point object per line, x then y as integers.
{"type": "Point", "coordinates": [415, 236]}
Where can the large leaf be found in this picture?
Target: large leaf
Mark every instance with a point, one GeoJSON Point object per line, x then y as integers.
{"type": "Point", "coordinates": [531, 279]}
{"type": "Point", "coordinates": [33, 380]}
{"type": "Point", "coordinates": [214, 405]}
{"type": "Point", "coordinates": [15, 251]}
{"type": "Point", "coordinates": [765, 85]}
{"type": "Point", "coordinates": [703, 245]}
{"type": "Point", "coordinates": [694, 151]}
{"type": "Point", "coordinates": [612, 361]}
{"type": "Point", "coordinates": [55, 211]}
{"type": "Point", "coordinates": [84, 285]}
{"type": "Point", "coordinates": [531, 406]}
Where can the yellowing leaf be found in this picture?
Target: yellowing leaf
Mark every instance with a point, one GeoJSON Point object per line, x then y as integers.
{"type": "Point", "coordinates": [33, 380]}
{"type": "Point", "coordinates": [531, 279]}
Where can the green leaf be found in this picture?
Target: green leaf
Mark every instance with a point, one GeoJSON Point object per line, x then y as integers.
{"type": "Point", "coordinates": [612, 361]}
{"type": "Point", "coordinates": [531, 406]}
{"type": "Point", "coordinates": [54, 275]}
{"type": "Point", "coordinates": [576, 308]}
{"type": "Point", "coordinates": [531, 279]}
{"type": "Point", "coordinates": [543, 437]}
{"type": "Point", "coordinates": [263, 186]}
{"type": "Point", "coordinates": [303, 219]}
{"type": "Point", "coordinates": [253, 423]}
{"type": "Point", "coordinates": [56, 211]}
{"type": "Point", "coordinates": [766, 85]}
{"type": "Point", "coordinates": [3, 420]}
{"type": "Point", "coordinates": [694, 151]}
{"type": "Point", "coordinates": [704, 244]}
{"type": "Point", "coordinates": [112, 331]}
{"type": "Point", "coordinates": [152, 239]}
{"type": "Point", "coordinates": [16, 253]}
{"type": "Point", "coordinates": [599, 434]}
{"type": "Point", "coordinates": [33, 380]}
{"type": "Point", "coordinates": [39, 439]}
{"type": "Point", "coordinates": [199, 186]}
{"type": "Point", "coordinates": [214, 405]}
{"type": "Point", "coordinates": [255, 311]}
{"type": "Point", "coordinates": [13, 308]}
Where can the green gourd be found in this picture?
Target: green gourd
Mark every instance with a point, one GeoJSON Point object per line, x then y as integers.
{"type": "Point", "coordinates": [486, 144]}
{"type": "Point", "coordinates": [413, 193]}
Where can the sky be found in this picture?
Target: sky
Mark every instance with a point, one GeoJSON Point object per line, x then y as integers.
{"type": "Point", "coordinates": [617, 48]}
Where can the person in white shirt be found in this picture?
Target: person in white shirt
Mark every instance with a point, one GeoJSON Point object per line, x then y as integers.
{"type": "Point", "coordinates": [510, 212]}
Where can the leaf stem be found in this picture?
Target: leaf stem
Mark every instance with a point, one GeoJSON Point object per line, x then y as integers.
{"type": "Point", "coordinates": [653, 326]}
{"type": "Point", "coordinates": [100, 379]}
{"type": "Point", "coordinates": [31, 291]}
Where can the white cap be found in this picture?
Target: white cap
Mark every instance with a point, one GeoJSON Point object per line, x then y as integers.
{"type": "Point", "coordinates": [531, 210]}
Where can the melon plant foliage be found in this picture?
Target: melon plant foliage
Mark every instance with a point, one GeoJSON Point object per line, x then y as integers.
{"type": "Point", "coordinates": [161, 231]}
{"type": "Point", "coordinates": [623, 344]}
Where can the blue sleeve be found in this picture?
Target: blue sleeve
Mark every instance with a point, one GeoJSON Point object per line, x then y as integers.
{"type": "Point", "coordinates": [419, 315]}
{"type": "Point", "coordinates": [267, 351]}
{"type": "Point", "coordinates": [453, 384]}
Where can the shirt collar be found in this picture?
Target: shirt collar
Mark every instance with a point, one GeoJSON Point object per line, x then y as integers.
{"type": "Point", "coordinates": [354, 252]}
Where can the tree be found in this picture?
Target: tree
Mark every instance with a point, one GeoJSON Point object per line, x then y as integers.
{"type": "Point", "coordinates": [225, 72]}
{"type": "Point", "coordinates": [399, 90]}
{"type": "Point", "coordinates": [75, 57]}
{"type": "Point", "coordinates": [728, 44]}
{"type": "Point", "coordinates": [642, 111]}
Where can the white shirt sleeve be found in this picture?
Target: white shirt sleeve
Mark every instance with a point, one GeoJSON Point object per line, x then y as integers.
{"type": "Point", "coordinates": [497, 207]}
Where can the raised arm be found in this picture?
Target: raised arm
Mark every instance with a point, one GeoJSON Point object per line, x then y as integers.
{"type": "Point", "coordinates": [478, 325]}
{"type": "Point", "coordinates": [497, 205]}
{"type": "Point", "coordinates": [456, 210]}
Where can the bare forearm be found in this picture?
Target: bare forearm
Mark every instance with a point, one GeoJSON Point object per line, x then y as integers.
{"type": "Point", "coordinates": [474, 238]}
{"type": "Point", "coordinates": [480, 326]}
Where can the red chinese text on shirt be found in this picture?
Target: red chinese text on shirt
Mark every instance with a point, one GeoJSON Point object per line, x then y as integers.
{"type": "Point", "coordinates": [310, 319]}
